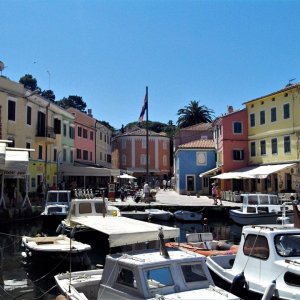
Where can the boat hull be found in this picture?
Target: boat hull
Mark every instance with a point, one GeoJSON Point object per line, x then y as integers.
{"type": "Point", "coordinates": [157, 214]}
{"type": "Point", "coordinates": [255, 219]}
{"type": "Point", "coordinates": [188, 216]}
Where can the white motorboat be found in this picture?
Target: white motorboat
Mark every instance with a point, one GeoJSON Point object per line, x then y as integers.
{"type": "Point", "coordinates": [147, 274]}
{"type": "Point", "coordinates": [260, 209]}
{"type": "Point", "coordinates": [88, 208]}
{"type": "Point", "coordinates": [56, 207]}
{"type": "Point", "coordinates": [159, 214]}
{"type": "Point", "coordinates": [267, 261]}
{"type": "Point", "coordinates": [55, 250]}
{"type": "Point", "coordinates": [188, 216]}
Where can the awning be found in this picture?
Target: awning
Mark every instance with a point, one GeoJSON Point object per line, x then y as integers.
{"type": "Point", "coordinates": [211, 171]}
{"type": "Point", "coordinates": [230, 175]}
{"type": "Point", "coordinates": [126, 231]}
{"type": "Point", "coordinates": [87, 171]}
{"type": "Point", "coordinates": [259, 172]}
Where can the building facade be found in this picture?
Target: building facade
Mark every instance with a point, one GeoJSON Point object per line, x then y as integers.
{"type": "Point", "coordinates": [129, 154]}
{"type": "Point", "coordinates": [274, 137]}
{"type": "Point", "coordinates": [192, 159]}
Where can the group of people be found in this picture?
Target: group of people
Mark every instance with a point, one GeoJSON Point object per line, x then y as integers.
{"type": "Point", "coordinates": [216, 194]}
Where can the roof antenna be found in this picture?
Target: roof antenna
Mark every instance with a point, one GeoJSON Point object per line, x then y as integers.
{"type": "Point", "coordinates": [290, 81]}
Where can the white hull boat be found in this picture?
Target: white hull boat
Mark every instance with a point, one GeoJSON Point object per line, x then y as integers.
{"type": "Point", "coordinates": [267, 262]}
{"type": "Point", "coordinates": [188, 216]}
{"type": "Point", "coordinates": [56, 207]}
{"type": "Point", "coordinates": [149, 274]}
{"type": "Point", "coordinates": [260, 209]}
{"type": "Point", "coordinates": [55, 250]}
{"type": "Point", "coordinates": [159, 214]}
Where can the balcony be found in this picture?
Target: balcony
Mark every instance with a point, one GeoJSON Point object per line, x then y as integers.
{"type": "Point", "coordinates": [46, 135]}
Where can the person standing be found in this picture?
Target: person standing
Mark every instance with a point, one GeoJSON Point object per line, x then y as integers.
{"type": "Point", "coordinates": [218, 195]}
{"type": "Point", "coordinates": [164, 184]}
{"type": "Point", "coordinates": [214, 193]}
{"type": "Point", "coordinates": [146, 190]}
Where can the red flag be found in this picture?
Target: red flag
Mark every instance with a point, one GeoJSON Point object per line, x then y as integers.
{"type": "Point", "coordinates": [145, 106]}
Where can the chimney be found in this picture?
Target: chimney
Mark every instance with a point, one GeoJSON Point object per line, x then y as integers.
{"type": "Point", "coordinates": [230, 109]}
{"type": "Point", "coordinates": [89, 112]}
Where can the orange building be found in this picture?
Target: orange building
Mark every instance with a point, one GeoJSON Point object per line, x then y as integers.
{"type": "Point", "coordinates": [129, 154]}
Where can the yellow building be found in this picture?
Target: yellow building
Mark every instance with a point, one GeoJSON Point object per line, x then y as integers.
{"type": "Point", "coordinates": [33, 122]}
{"type": "Point", "coordinates": [274, 136]}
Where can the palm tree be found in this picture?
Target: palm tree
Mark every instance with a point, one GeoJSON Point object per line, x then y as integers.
{"type": "Point", "coordinates": [194, 114]}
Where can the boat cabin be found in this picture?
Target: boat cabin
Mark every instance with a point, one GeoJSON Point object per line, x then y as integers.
{"type": "Point", "coordinates": [91, 207]}
{"type": "Point", "coordinates": [58, 197]}
{"type": "Point", "coordinates": [146, 274]}
{"type": "Point", "coordinates": [260, 203]}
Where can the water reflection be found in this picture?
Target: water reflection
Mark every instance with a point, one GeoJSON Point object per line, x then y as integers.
{"type": "Point", "coordinates": [19, 280]}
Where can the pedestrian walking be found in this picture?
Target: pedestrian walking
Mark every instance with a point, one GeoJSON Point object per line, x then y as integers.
{"type": "Point", "coordinates": [214, 193]}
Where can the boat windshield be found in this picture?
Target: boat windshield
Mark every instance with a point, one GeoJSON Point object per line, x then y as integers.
{"type": "Point", "coordinates": [287, 245]}
{"type": "Point", "coordinates": [193, 273]}
{"type": "Point", "coordinates": [159, 277]}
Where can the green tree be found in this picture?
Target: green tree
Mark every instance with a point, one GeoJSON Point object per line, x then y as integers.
{"type": "Point", "coordinates": [72, 101]}
{"type": "Point", "coordinates": [48, 94]}
{"type": "Point", "coordinates": [29, 82]}
{"type": "Point", "coordinates": [194, 114]}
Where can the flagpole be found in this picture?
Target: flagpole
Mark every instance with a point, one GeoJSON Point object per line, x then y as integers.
{"type": "Point", "coordinates": [147, 138]}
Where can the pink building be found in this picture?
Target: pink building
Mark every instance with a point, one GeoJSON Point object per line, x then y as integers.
{"type": "Point", "coordinates": [85, 133]}
{"type": "Point", "coordinates": [231, 142]}
{"type": "Point", "coordinates": [200, 131]}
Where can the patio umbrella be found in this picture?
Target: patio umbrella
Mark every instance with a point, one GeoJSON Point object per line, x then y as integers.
{"type": "Point", "coordinates": [126, 176]}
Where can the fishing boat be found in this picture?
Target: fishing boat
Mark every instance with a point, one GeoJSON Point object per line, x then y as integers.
{"type": "Point", "coordinates": [260, 209]}
{"type": "Point", "coordinates": [146, 274]}
{"type": "Point", "coordinates": [203, 243]}
{"type": "Point", "coordinates": [159, 214]}
{"type": "Point", "coordinates": [55, 250]}
{"type": "Point", "coordinates": [56, 207]}
{"type": "Point", "coordinates": [188, 216]}
{"type": "Point", "coordinates": [87, 209]}
{"type": "Point", "coordinates": [267, 261]}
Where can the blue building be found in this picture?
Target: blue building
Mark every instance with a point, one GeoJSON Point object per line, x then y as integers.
{"type": "Point", "coordinates": [192, 159]}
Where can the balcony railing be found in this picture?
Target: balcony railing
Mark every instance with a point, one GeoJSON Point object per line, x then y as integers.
{"type": "Point", "coordinates": [47, 132]}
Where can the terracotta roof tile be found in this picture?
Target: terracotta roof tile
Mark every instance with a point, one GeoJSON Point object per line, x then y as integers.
{"type": "Point", "coordinates": [197, 144]}
{"type": "Point", "coordinates": [142, 132]}
{"type": "Point", "coordinates": [200, 126]}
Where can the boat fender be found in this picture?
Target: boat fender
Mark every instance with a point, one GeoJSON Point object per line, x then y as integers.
{"type": "Point", "coordinates": [59, 229]}
{"type": "Point", "coordinates": [238, 283]}
{"type": "Point", "coordinates": [269, 292]}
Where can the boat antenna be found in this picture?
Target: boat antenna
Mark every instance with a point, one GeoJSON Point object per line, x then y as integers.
{"type": "Point", "coordinates": [72, 233]}
{"type": "Point", "coordinates": [163, 249]}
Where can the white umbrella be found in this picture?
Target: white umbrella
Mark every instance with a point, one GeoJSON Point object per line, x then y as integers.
{"type": "Point", "coordinates": [126, 176]}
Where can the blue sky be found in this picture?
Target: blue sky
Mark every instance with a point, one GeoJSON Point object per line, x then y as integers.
{"type": "Point", "coordinates": [219, 53]}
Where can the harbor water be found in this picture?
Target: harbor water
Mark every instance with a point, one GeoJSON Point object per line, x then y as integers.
{"type": "Point", "coordinates": [20, 280]}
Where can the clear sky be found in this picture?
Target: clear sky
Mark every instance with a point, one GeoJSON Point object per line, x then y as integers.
{"type": "Point", "coordinates": [219, 53]}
